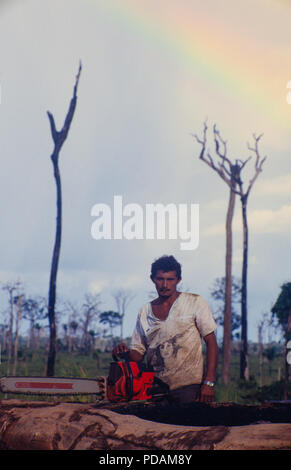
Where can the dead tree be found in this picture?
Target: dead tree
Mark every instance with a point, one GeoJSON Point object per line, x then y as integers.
{"type": "Point", "coordinates": [33, 310]}
{"type": "Point", "coordinates": [244, 195]}
{"type": "Point", "coordinates": [91, 311]}
{"type": "Point", "coordinates": [261, 326]}
{"type": "Point", "coordinates": [59, 138]}
{"type": "Point", "coordinates": [122, 298]}
{"type": "Point", "coordinates": [231, 174]}
{"type": "Point", "coordinates": [12, 288]}
{"type": "Point", "coordinates": [3, 344]}
{"type": "Point", "coordinates": [73, 312]}
{"type": "Point", "coordinates": [228, 172]}
{"type": "Point", "coordinates": [19, 301]}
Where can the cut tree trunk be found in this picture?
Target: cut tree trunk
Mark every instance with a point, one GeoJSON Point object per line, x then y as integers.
{"type": "Point", "coordinates": [73, 426]}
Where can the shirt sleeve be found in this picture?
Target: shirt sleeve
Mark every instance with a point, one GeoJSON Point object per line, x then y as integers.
{"type": "Point", "coordinates": [204, 318]}
{"type": "Point", "coordinates": [138, 340]}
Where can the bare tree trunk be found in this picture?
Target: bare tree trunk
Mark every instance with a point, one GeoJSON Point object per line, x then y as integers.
{"type": "Point", "coordinates": [91, 312]}
{"type": "Point", "coordinates": [122, 299]}
{"type": "Point", "coordinates": [228, 291]}
{"type": "Point", "coordinates": [32, 333]}
{"type": "Point", "coordinates": [10, 332]}
{"type": "Point", "coordinates": [19, 311]}
{"type": "Point", "coordinates": [72, 334]}
{"type": "Point", "coordinates": [4, 341]}
{"type": "Point", "coordinates": [53, 276]}
{"type": "Point", "coordinates": [84, 340]}
{"type": "Point", "coordinates": [37, 342]}
{"type": "Point", "coordinates": [286, 378]}
{"type": "Point", "coordinates": [74, 340]}
{"type": "Point", "coordinates": [10, 288]}
{"type": "Point", "coordinates": [260, 346]}
{"type": "Point", "coordinates": [70, 342]}
{"type": "Point", "coordinates": [59, 138]}
{"type": "Point", "coordinates": [244, 369]}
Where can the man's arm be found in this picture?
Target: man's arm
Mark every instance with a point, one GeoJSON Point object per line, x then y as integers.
{"type": "Point", "coordinates": [207, 392]}
{"type": "Point", "coordinates": [134, 356]}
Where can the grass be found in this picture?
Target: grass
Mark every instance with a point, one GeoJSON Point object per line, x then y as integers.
{"type": "Point", "coordinates": [240, 391]}
{"type": "Point", "coordinates": [33, 363]}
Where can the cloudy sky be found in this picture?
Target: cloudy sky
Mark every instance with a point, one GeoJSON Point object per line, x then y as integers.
{"type": "Point", "coordinates": [153, 71]}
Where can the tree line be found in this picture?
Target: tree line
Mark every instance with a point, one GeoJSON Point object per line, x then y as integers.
{"type": "Point", "coordinates": [86, 326]}
{"type": "Point", "coordinates": [79, 325]}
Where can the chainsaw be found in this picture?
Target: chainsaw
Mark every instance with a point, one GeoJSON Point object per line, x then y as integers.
{"type": "Point", "coordinates": [126, 381]}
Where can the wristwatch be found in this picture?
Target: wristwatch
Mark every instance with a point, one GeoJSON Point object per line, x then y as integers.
{"type": "Point", "coordinates": [209, 383]}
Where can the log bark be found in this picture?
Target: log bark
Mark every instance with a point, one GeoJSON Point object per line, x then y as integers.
{"type": "Point", "coordinates": [75, 426]}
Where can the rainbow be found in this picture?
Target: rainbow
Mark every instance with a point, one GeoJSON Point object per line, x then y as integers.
{"type": "Point", "coordinates": [216, 55]}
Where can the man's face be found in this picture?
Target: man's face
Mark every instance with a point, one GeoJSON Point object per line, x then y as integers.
{"type": "Point", "coordinates": [166, 282]}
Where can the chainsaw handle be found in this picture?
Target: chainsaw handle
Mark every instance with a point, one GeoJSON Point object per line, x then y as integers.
{"type": "Point", "coordinates": [125, 356]}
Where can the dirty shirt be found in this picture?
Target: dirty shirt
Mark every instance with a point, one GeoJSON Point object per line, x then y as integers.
{"type": "Point", "coordinates": [173, 346]}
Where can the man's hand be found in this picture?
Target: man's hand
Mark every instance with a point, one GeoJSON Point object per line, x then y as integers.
{"type": "Point", "coordinates": [132, 354]}
{"type": "Point", "coordinates": [120, 348]}
{"type": "Point", "coordinates": [206, 393]}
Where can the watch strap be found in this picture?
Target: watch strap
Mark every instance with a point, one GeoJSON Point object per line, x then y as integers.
{"type": "Point", "coordinates": [209, 383]}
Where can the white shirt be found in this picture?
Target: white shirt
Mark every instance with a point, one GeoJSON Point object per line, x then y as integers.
{"type": "Point", "coordinates": [173, 346]}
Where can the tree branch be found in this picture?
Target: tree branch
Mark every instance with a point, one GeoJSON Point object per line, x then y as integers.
{"type": "Point", "coordinates": [59, 137]}
{"type": "Point", "coordinates": [220, 169]}
{"type": "Point", "coordinates": [53, 127]}
{"type": "Point", "coordinates": [258, 163]}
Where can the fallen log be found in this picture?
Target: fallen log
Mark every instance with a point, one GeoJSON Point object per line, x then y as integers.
{"type": "Point", "coordinates": [38, 425]}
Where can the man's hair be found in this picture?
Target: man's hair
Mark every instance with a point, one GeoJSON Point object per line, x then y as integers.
{"type": "Point", "coordinates": [166, 263]}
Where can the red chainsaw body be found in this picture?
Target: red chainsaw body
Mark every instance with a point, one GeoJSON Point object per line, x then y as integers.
{"type": "Point", "coordinates": [129, 381]}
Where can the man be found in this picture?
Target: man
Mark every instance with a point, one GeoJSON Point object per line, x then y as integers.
{"type": "Point", "coordinates": [169, 330]}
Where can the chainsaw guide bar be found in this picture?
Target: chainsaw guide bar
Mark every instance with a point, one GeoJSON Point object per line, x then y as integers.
{"type": "Point", "coordinates": [127, 380]}
{"type": "Point", "coordinates": [53, 386]}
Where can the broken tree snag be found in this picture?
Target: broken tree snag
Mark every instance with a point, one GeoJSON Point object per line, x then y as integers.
{"type": "Point", "coordinates": [59, 138]}
{"type": "Point", "coordinates": [73, 426]}
{"type": "Point", "coordinates": [228, 171]}
{"type": "Point", "coordinates": [231, 173]}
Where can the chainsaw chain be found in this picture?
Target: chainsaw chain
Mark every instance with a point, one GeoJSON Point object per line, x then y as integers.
{"type": "Point", "coordinates": [101, 381]}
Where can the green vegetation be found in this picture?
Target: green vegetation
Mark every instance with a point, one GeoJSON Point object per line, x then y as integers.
{"type": "Point", "coordinates": [250, 392]}
{"type": "Point", "coordinates": [33, 363]}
